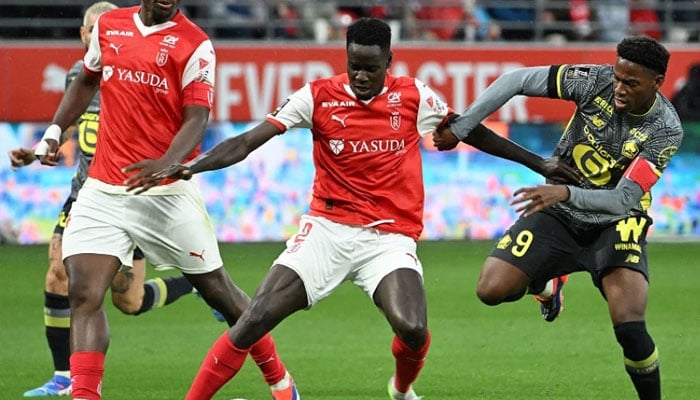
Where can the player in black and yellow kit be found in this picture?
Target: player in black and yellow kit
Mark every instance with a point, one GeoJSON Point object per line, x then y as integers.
{"type": "Point", "coordinates": [130, 293]}
{"type": "Point", "coordinates": [620, 138]}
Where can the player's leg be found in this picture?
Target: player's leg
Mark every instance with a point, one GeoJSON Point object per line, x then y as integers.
{"type": "Point", "coordinates": [500, 281]}
{"type": "Point", "coordinates": [89, 278]}
{"type": "Point", "coordinates": [280, 294]}
{"type": "Point", "coordinates": [532, 252]}
{"type": "Point", "coordinates": [56, 319]}
{"type": "Point", "coordinates": [197, 256]}
{"type": "Point", "coordinates": [388, 270]}
{"type": "Point", "coordinates": [401, 297]}
{"type": "Point", "coordinates": [626, 289]}
{"type": "Point", "coordinates": [95, 246]}
{"type": "Point", "coordinates": [133, 295]}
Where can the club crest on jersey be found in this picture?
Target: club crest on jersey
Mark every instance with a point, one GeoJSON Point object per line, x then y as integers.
{"type": "Point", "coordinates": [336, 146]}
{"type": "Point", "coordinates": [630, 149]}
{"type": "Point", "coordinates": [162, 57]}
{"type": "Point", "coordinates": [395, 120]}
{"type": "Point", "coordinates": [107, 72]}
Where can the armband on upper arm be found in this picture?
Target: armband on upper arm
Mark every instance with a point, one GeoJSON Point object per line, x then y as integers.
{"type": "Point", "coordinates": [199, 94]}
{"type": "Point", "coordinates": [642, 172]}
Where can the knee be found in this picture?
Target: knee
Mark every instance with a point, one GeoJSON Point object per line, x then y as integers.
{"type": "Point", "coordinates": [641, 355]}
{"type": "Point", "coordinates": [412, 331]}
{"type": "Point", "coordinates": [489, 293]}
{"type": "Point", "coordinates": [84, 296]}
{"type": "Point", "coordinates": [85, 300]}
{"type": "Point", "coordinates": [501, 286]}
{"type": "Point", "coordinates": [634, 338]}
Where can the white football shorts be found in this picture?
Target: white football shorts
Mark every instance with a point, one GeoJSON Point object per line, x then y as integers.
{"type": "Point", "coordinates": [325, 254]}
{"type": "Point", "coordinates": [171, 229]}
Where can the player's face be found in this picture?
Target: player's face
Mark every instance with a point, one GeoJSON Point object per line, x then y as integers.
{"type": "Point", "coordinates": [635, 86]}
{"type": "Point", "coordinates": [86, 30]}
{"type": "Point", "coordinates": [155, 12]}
{"type": "Point", "coordinates": [367, 66]}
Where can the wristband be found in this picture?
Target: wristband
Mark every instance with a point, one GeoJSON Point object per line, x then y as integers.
{"type": "Point", "coordinates": [52, 132]}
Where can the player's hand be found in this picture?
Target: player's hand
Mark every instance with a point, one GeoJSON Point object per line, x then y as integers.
{"type": "Point", "coordinates": [175, 171]}
{"type": "Point", "coordinates": [144, 177]}
{"type": "Point", "coordinates": [51, 156]}
{"type": "Point", "coordinates": [558, 171]}
{"type": "Point", "coordinates": [21, 157]}
{"type": "Point", "coordinates": [444, 139]}
{"type": "Point", "coordinates": [530, 200]}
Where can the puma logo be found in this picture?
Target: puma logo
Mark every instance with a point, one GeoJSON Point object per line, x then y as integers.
{"type": "Point", "coordinates": [198, 255]}
{"type": "Point", "coordinates": [337, 118]}
{"type": "Point", "coordinates": [116, 47]}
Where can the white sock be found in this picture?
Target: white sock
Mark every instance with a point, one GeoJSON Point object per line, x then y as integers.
{"type": "Point", "coordinates": [282, 384]}
{"type": "Point", "coordinates": [548, 289]}
{"type": "Point", "coordinates": [65, 374]}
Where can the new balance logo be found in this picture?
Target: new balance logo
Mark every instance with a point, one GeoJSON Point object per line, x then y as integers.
{"type": "Point", "coordinates": [198, 255]}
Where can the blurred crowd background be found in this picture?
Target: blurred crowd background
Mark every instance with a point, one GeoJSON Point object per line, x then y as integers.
{"type": "Point", "coordinates": [557, 21]}
{"type": "Point", "coordinates": [261, 199]}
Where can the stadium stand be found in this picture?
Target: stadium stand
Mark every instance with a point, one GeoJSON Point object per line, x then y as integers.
{"type": "Point", "coordinates": [318, 20]}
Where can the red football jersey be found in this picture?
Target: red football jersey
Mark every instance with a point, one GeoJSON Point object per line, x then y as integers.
{"type": "Point", "coordinates": [149, 74]}
{"type": "Point", "coordinates": [366, 153]}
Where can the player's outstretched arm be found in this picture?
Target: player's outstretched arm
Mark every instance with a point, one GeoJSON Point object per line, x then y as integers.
{"type": "Point", "coordinates": [224, 154]}
{"type": "Point", "coordinates": [235, 149]}
{"type": "Point", "coordinates": [492, 143]}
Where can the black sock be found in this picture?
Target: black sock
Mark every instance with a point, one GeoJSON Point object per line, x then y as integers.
{"type": "Point", "coordinates": [159, 292]}
{"type": "Point", "coordinates": [57, 323]}
{"type": "Point", "coordinates": [641, 359]}
{"type": "Point", "coordinates": [177, 287]}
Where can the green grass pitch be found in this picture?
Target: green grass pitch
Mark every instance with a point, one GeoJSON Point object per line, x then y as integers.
{"type": "Point", "coordinates": [340, 350]}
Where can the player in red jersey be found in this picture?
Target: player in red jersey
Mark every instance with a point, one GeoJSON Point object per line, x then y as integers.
{"type": "Point", "coordinates": [131, 293]}
{"type": "Point", "coordinates": [155, 70]}
{"type": "Point", "coordinates": [367, 206]}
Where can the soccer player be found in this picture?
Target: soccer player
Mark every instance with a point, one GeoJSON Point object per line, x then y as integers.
{"type": "Point", "coordinates": [367, 207]}
{"type": "Point", "coordinates": [155, 70]}
{"type": "Point", "coordinates": [130, 293]}
{"type": "Point", "coordinates": [621, 138]}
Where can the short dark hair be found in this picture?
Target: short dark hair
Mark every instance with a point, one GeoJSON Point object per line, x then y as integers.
{"type": "Point", "coordinates": [644, 51]}
{"type": "Point", "coordinates": [370, 32]}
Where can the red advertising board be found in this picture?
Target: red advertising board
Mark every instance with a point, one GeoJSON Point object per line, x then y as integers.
{"type": "Point", "coordinates": [253, 79]}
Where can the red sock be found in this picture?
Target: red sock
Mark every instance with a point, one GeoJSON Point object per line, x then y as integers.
{"type": "Point", "coordinates": [223, 361]}
{"type": "Point", "coordinates": [409, 362]}
{"type": "Point", "coordinates": [264, 353]}
{"type": "Point", "coordinates": [86, 370]}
